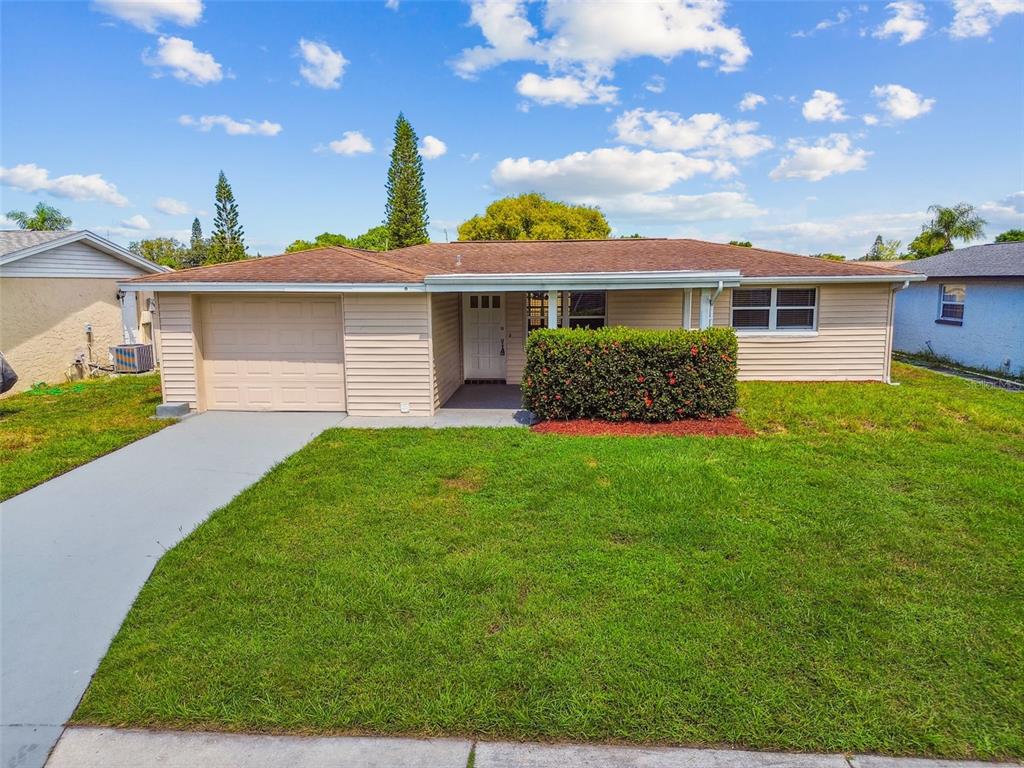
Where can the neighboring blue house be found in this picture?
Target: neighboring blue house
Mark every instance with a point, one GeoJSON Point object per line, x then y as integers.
{"type": "Point", "coordinates": [970, 309]}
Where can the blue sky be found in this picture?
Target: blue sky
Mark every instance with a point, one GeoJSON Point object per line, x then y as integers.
{"type": "Point", "coordinates": [802, 126]}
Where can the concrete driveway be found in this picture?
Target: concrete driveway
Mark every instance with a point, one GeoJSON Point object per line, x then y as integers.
{"type": "Point", "coordinates": [75, 551]}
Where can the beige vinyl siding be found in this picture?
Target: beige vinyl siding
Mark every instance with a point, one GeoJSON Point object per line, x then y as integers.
{"type": "Point", "coordinates": [446, 337]}
{"type": "Point", "coordinates": [851, 343]}
{"type": "Point", "coordinates": [515, 337]}
{"type": "Point", "coordinates": [72, 260]}
{"type": "Point", "coordinates": [177, 343]}
{"type": "Point", "coordinates": [656, 309]}
{"type": "Point", "coordinates": [387, 354]}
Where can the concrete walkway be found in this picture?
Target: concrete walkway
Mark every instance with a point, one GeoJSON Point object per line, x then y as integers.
{"type": "Point", "coordinates": [114, 748]}
{"type": "Point", "coordinates": [75, 551]}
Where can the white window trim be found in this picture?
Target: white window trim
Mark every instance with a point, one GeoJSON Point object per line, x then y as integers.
{"type": "Point", "coordinates": [943, 303]}
{"type": "Point", "coordinates": [773, 329]}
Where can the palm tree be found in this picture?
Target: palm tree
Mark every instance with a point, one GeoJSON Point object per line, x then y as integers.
{"type": "Point", "coordinates": [43, 217]}
{"type": "Point", "coordinates": [957, 223]}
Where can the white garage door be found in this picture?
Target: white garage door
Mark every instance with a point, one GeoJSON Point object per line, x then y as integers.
{"type": "Point", "coordinates": [273, 354]}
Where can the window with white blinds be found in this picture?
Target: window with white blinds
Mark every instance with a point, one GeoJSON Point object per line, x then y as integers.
{"type": "Point", "coordinates": [775, 309]}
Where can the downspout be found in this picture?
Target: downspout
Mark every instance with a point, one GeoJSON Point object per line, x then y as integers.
{"type": "Point", "coordinates": [708, 319]}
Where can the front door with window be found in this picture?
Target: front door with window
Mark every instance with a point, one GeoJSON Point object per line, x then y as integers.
{"type": "Point", "coordinates": [483, 335]}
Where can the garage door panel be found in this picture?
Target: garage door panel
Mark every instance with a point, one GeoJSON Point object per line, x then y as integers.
{"type": "Point", "coordinates": [281, 354]}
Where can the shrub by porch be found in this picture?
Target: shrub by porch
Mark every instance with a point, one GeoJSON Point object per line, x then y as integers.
{"type": "Point", "coordinates": [628, 374]}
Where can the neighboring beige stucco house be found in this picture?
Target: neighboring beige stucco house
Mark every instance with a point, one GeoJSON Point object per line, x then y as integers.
{"type": "Point", "coordinates": [397, 333]}
{"type": "Point", "coordinates": [53, 285]}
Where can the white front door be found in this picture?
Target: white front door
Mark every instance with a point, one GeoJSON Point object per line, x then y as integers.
{"type": "Point", "coordinates": [483, 335]}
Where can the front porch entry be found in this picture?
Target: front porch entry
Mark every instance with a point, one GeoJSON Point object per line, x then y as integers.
{"type": "Point", "coordinates": [483, 336]}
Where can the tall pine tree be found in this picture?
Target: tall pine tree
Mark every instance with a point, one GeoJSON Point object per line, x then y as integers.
{"type": "Point", "coordinates": [197, 246]}
{"type": "Point", "coordinates": [406, 211]}
{"type": "Point", "coordinates": [228, 240]}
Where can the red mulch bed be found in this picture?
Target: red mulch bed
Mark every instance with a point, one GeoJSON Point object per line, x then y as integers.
{"type": "Point", "coordinates": [729, 425]}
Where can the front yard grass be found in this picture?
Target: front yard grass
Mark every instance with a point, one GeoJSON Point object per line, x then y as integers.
{"type": "Point", "coordinates": [47, 432]}
{"type": "Point", "coordinates": [852, 579]}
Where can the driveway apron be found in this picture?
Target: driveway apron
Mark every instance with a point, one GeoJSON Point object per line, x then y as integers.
{"type": "Point", "coordinates": [75, 551]}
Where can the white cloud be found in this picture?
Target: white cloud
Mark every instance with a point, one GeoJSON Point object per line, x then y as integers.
{"type": "Point", "coordinates": [655, 84]}
{"type": "Point", "coordinates": [323, 67]}
{"type": "Point", "coordinates": [824, 105]}
{"type": "Point", "coordinates": [600, 172]}
{"type": "Point", "coordinates": [751, 101]}
{"type": "Point", "coordinates": [568, 90]}
{"type": "Point", "coordinates": [391, 5]}
{"type": "Point", "coordinates": [908, 22]}
{"type": "Point", "coordinates": [850, 235]}
{"type": "Point", "coordinates": [712, 206]}
{"type": "Point", "coordinates": [231, 126]}
{"type": "Point", "coordinates": [828, 156]}
{"type": "Point", "coordinates": [976, 18]}
{"type": "Point", "coordinates": [351, 143]}
{"type": "Point", "coordinates": [29, 177]}
{"type": "Point", "coordinates": [590, 38]}
{"type": "Point", "coordinates": [137, 222]}
{"type": "Point", "coordinates": [1007, 213]}
{"type": "Point", "coordinates": [706, 135]}
{"type": "Point", "coordinates": [432, 147]}
{"type": "Point", "coordinates": [147, 14]}
{"type": "Point", "coordinates": [170, 206]}
{"type": "Point", "coordinates": [840, 18]}
{"type": "Point", "coordinates": [901, 103]}
{"type": "Point", "coordinates": [184, 61]}
{"type": "Point", "coordinates": [870, 119]}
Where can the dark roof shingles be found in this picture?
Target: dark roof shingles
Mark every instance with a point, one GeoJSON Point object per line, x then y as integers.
{"type": "Point", "coordinates": [412, 264]}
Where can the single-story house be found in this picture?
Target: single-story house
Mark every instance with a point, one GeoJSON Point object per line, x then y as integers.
{"type": "Point", "coordinates": [970, 308]}
{"type": "Point", "coordinates": [399, 332]}
{"type": "Point", "coordinates": [60, 302]}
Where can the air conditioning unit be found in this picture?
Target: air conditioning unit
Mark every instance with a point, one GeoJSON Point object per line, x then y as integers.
{"type": "Point", "coordinates": [132, 358]}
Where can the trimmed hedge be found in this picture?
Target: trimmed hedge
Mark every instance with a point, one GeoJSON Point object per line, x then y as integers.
{"type": "Point", "coordinates": [629, 374]}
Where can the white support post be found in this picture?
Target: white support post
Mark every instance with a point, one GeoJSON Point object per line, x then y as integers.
{"type": "Point", "coordinates": [129, 318]}
{"type": "Point", "coordinates": [688, 308]}
{"type": "Point", "coordinates": [552, 309]}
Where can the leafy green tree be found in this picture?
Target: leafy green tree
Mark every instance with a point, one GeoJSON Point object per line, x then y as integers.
{"type": "Point", "coordinates": [374, 239]}
{"type": "Point", "coordinates": [884, 250]}
{"type": "Point", "coordinates": [406, 210]}
{"type": "Point", "coordinates": [960, 222]}
{"type": "Point", "coordinates": [742, 243]}
{"type": "Point", "coordinates": [43, 218]}
{"type": "Point", "coordinates": [1011, 236]}
{"type": "Point", "coordinates": [829, 256]}
{"type": "Point", "coordinates": [532, 216]}
{"type": "Point", "coordinates": [167, 251]}
{"type": "Point", "coordinates": [199, 246]}
{"type": "Point", "coordinates": [228, 240]}
{"type": "Point", "coordinates": [634, 236]}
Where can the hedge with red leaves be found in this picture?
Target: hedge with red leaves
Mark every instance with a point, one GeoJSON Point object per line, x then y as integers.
{"type": "Point", "coordinates": [629, 374]}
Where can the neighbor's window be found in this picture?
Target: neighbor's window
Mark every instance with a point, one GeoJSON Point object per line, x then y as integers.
{"type": "Point", "coordinates": [774, 309]}
{"type": "Point", "coordinates": [586, 309]}
{"type": "Point", "coordinates": [952, 305]}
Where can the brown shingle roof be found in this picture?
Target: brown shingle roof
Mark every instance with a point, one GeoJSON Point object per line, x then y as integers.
{"type": "Point", "coordinates": [412, 264]}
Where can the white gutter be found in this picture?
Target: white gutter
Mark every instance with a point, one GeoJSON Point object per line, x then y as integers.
{"type": "Point", "coordinates": [828, 279]}
{"type": "Point", "coordinates": [569, 281]}
{"type": "Point", "coordinates": [261, 287]}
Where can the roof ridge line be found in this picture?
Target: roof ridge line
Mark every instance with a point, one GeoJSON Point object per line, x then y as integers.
{"type": "Point", "coordinates": [376, 260]}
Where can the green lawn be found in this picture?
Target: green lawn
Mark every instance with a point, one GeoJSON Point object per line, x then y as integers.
{"type": "Point", "coordinates": [851, 579]}
{"type": "Point", "coordinates": [45, 433]}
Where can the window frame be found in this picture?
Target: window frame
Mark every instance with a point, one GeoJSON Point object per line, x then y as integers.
{"type": "Point", "coordinates": [943, 303]}
{"type": "Point", "coordinates": [568, 317]}
{"type": "Point", "coordinates": [565, 316]}
{"type": "Point", "coordinates": [773, 311]}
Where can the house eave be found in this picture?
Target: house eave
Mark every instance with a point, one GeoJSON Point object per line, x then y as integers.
{"type": "Point", "coordinates": [896, 277]}
{"type": "Point", "coordinates": [265, 287]}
